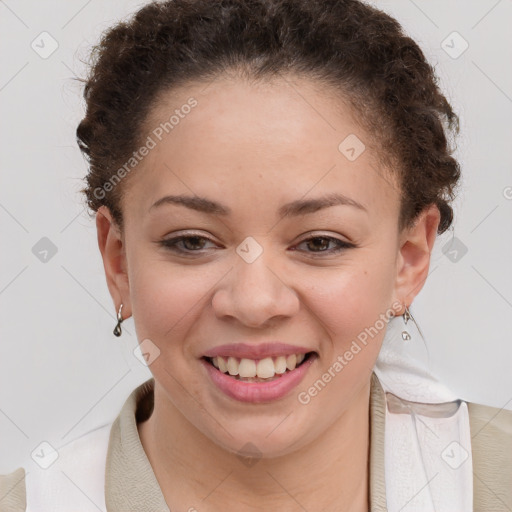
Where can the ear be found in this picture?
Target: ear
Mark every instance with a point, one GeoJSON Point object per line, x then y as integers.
{"type": "Point", "coordinates": [413, 260]}
{"type": "Point", "coordinates": [110, 242]}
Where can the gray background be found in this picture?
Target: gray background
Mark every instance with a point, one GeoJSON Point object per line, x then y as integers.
{"type": "Point", "coordinates": [62, 372]}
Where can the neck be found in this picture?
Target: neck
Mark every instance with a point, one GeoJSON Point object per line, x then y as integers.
{"type": "Point", "coordinates": [329, 474]}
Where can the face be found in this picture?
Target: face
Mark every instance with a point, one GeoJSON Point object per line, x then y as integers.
{"type": "Point", "coordinates": [258, 255]}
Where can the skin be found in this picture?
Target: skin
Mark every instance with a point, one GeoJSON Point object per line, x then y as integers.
{"type": "Point", "coordinates": [254, 148]}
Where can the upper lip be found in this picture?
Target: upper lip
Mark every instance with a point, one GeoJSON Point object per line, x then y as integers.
{"type": "Point", "coordinates": [260, 351]}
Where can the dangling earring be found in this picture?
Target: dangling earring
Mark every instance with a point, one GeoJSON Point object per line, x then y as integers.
{"type": "Point", "coordinates": [407, 315]}
{"type": "Point", "coordinates": [117, 328]}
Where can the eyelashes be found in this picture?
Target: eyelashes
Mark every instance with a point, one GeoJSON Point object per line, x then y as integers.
{"type": "Point", "coordinates": [172, 243]}
{"type": "Point", "coordinates": [340, 245]}
{"type": "Point", "coordinates": [192, 240]}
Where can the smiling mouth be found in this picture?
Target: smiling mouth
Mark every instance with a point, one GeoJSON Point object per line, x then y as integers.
{"type": "Point", "coordinates": [258, 370]}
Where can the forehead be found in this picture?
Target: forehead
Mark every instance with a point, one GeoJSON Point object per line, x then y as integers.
{"type": "Point", "coordinates": [280, 140]}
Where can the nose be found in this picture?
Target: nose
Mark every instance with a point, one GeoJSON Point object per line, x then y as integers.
{"type": "Point", "coordinates": [255, 294]}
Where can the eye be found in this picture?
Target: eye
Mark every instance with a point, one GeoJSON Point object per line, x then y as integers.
{"type": "Point", "coordinates": [195, 244]}
{"type": "Point", "coordinates": [320, 244]}
{"type": "Point", "coordinates": [190, 243]}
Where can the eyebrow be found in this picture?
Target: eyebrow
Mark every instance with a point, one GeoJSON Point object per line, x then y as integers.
{"type": "Point", "coordinates": [292, 209]}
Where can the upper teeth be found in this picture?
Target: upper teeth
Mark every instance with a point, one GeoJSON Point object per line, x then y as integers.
{"type": "Point", "coordinates": [262, 368]}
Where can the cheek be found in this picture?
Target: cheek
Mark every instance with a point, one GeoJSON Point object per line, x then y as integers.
{"type": "Point", "coordinates": [348, 299]}
{"type": "Point", "coordinates": [167, 298]}
{"type": "Point", "coordinates": [163, 305]}
{"type": "Point", "coordinates": [350, 307]}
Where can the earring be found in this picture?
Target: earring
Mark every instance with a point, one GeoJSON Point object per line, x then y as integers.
{"type": "Point", "coordinates": [407, 315]}
{"type": "Point", "coordinates": [117, 328]}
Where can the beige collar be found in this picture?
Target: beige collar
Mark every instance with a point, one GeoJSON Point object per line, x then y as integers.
{"type": "Point", "coordinates": [131, 484]}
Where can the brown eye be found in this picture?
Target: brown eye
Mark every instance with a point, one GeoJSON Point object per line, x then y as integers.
{"type": "Point", "coordinates": [185, 244]}
{"type": "Point", "coordinates": [320, 244]}
{"type": "Point", "coordinates": [193, 242]}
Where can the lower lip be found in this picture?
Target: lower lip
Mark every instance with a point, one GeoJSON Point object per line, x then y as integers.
{"type": "Point", "coordinates": [257, 392]}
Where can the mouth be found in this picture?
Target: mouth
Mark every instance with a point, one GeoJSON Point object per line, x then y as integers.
{"type": "Point", "coordinates": [266, 369]}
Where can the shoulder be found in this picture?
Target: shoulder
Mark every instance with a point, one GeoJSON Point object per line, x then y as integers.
{"type": "Point", "coordinates": [492, 419]}
{"type": "Point", "coordinates": [69, 477]}
{"type": "Point", "coordinates": [491, 427]}
{"type": "Point", "coordinates": [491, 446]}
{"type": "Point", "coordinates": [12, 491]}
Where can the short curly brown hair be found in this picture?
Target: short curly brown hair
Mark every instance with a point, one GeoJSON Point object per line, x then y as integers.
{"type": "Point", "coordinates": [345, 45]}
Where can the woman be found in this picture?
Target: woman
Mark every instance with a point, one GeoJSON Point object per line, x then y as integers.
{"type": "Point", "coordinates": [268, 179]}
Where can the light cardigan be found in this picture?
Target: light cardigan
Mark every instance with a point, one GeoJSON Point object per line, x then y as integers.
{"type": "Point", "coordinates": [124, 480]}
